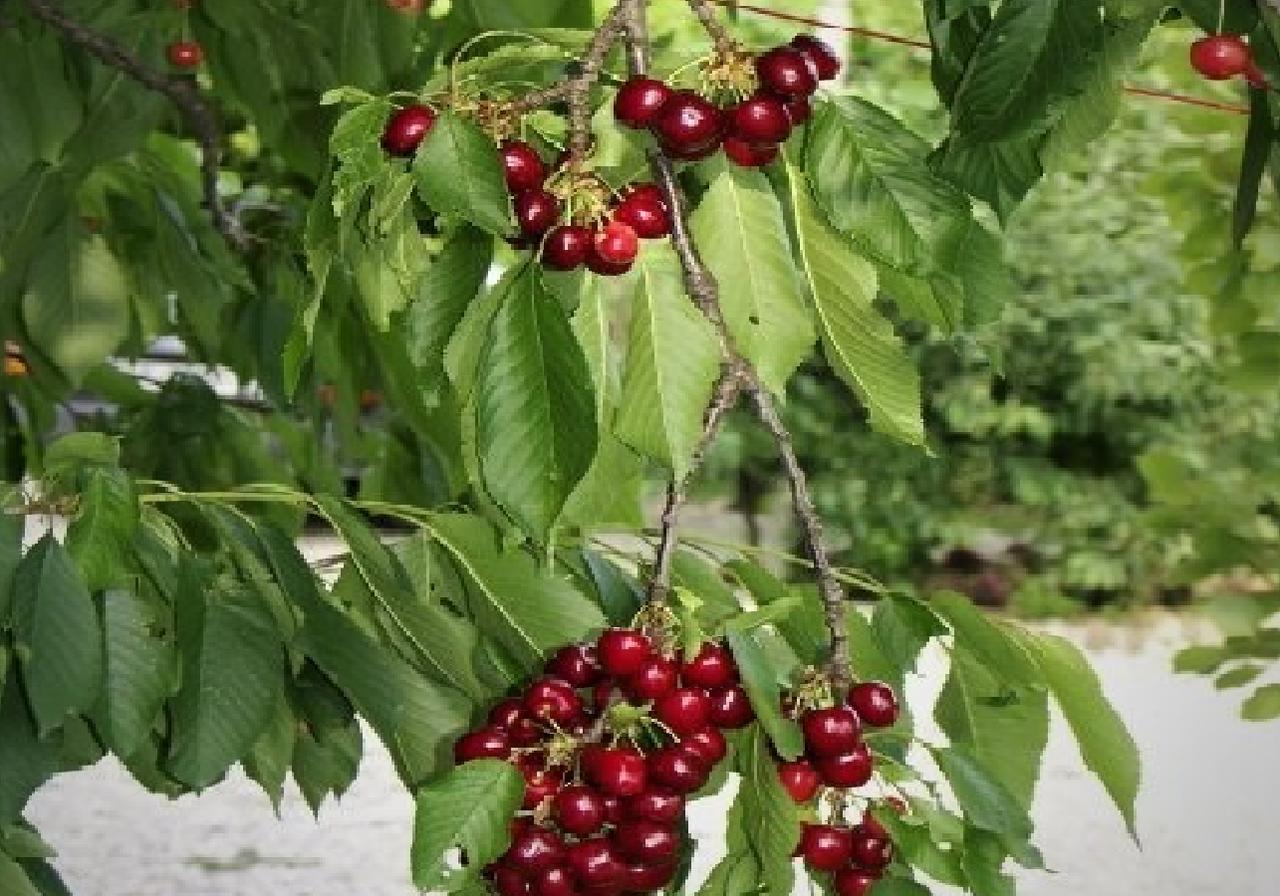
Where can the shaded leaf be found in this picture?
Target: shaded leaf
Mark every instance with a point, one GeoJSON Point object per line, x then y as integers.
{"type": "Point", "coordinates": [470, 808]}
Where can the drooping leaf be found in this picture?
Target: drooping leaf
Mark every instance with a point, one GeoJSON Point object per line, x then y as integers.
{"type": "Point", "coordinates": [771, 821]}
{"type": "Point", "coordinates": [763, 687]}
{"type": "Point", "coordinates": [140, 668]}
{"type": "Point", "coordinates": [470, 808]}
{"type": "Point", "coordinates": [985, 801]}
{"type": "Point", "coordinates": [100, 535]}
{"type": "Point", "coordinates": [267, 762]}
{"type": "Point", "coordinates": [11, 527]}
{"type": "Point", "coordinates": [459, 173]}
{"type": "Point", "coordinates": [1263, 705]}
{"type": "Point", "coordinates": [14, 880]}
{"type": "Point", "coordinates": [25, 762]}
{"type": "Point", "coordinates": [999, 649]}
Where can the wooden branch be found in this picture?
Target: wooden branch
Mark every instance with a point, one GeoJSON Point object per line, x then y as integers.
{"type": "Point", "coordinates": [706, 13]}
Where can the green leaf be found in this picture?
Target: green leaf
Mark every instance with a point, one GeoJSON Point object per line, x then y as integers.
{"type": "Point", "coordinates": [1199, 659]}
{"type": "Point", "coordinates": [771, 820]}
{"type": "Point", "coordinates": [13, 880]}
{"type": "Point", "coordinates": [984, 857]}
{"type": "Point", "coordinates": [360, 159]}
{"type": "Point", "coordinates": [804, 628]}
{"type": "Point", "coordinates": [328, 765]}
{"type": "Point", "coordinates": [1239, 676]}
{"type": "Point", "coordinates": [1105, 744]}
{"type": "Point", "coordinates": [77, 450]}
{"type": "Point", "coordinates": [673, 358]}
{"type": "Point", "coordinates": [25, 762]}
{"type": "Point", "coordinates": [859, 342]}
{"type": "Point", "coordinates": [763, 687]}
{"type": "Point", "coordinates": [995, 646]}
{"type": "Point", "coordinates": [1257, 150]}
{"type": "Point", "coordinates": [267, 762]}
{"type": "Point", "coordinates": [898, 886]}
{"type": "Point", "coordinates": [1000, 174]}
{"type": "Point", "coordinates": [56, 635]}
{"type": "Point", "coordinates": [903, 626]}
{"type": "Point", "coordinates": [985, 801]}
{"type": "Point", "coordinates": [11, 527]}
{"type": "Point", "coordinates": [100, 535]}
{"type": "Point", "coordinates": [232, 669]}
{"type": "Point", "coordinates": [140, 666]}
{"type": "Point", "coordinates": [535, 411]}
{"type": "Point", "coordinates": [739, 229]}
{"type": "Point", "coordinates": [470, 808]}
{"type": "Point", "coordinates": [458, 172]}
{"type": "Point", "coordinates": [1264, 705]}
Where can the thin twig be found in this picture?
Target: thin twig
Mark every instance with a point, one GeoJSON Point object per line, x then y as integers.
{"type": "Point", "coordinates": [706, 14]}
{"type": "Point", "coordinates": [182, 92]}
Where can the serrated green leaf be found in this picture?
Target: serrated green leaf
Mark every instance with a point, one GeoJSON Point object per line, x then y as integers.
{"type": "Point", "coordinates": [997, 648]}
{"type": "Point", "coordinates": [983, 857]}
{"type": "Point", "coordinates": [1263, 705]}
{"type": "Point", "coordinates": [140, 669]}
{"type": "Point", "coordinates": [25, 762]}
{"type": "Point", "coordinates": [458, 172]}
{"type": "Point", "coordinates": [99, 537]}
{"type": "Point", "coordinates": [898, 886]}
{"type": "Point", "coordinates": [763, 687]}
{"type": "Point", "coordinates": [325, 761]}
{"type": "Point", "coordinates": [470, 808]}
{"type": "Point", "coordinates": [771, 821]}
{"type": "Point", "coordinates": [267, 762]}
{"type": "Point", "coordinates": [986, 802]}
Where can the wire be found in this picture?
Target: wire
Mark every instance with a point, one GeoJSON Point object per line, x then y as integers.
{"type": "Point", "coordinates": [1148, 92]}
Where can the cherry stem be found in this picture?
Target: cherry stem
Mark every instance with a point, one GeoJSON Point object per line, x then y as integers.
{"type": "Point", "coordinates": [706, 13]}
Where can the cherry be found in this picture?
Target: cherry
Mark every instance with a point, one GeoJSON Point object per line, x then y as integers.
{"type": "Point", "coordinates": [406, 7]}
{"type": "Point", "coordinates": [800, 779]}
{"type": "Point", "coordinates": [824, 847]}
{"type": "Point", "coordinates": [819, 53]}
{"type": "Point", "coordinates": [639, 102]}
{"type": "Point", "coordinates": [539, 786]}
{"type": "Point", "coordinates": [406, 129]}
{"type": "Point", "coordinates": [787, 71]}
{"type": "Point", "coordinates": [565, 249]}
{"type": "Point", "coordinates": [854, 882]}
{"type": "Point", "coordinates": [535, 851]}
{"type": "Point", "coordinates": [484, 743]}
{"type": "Point", "coordinates": [506, 714]}
{"type": "Point", "coordinates": [623, 651]}
{"type": "Point", "coordinates": [578, 810]}
{"type": "Point", "coordinates": [692, 155]}
{"type": "Point", "coordinates": [852, 769]}
{"type": "Point", "coordinates": [536, 212]}
{"type": "Point", "coordinates": [662, 806]}
{"type": "Point", "coordinates": [645, 878]}
{"type": "Point", "coordinates": [647, 216]}
{"type": "Point", "coordinates": [707, 744]}
{"type": "Point", "coordinates": [749, 155]}
{"type": "Point", "coordinates": [871, 852]}
{"type": "Point", "coordinates": [677, 769]}
{"type": "Point", "coordinates": [760, 119]}
{"type": "Point", "coordinates": [731, 708]}
{"type": "Point", "coordinates": [554, 882]}
{"type": "Point", "coordinates": [616, 243]}
{"type": "Point", "coordinates": [872, 827]}
{"type": "Point", "coordinates": [553, 699]}
{"type": "Point", "coordinates": [646, 841]}
{"type": "Point", "coordinates": [185, 54]}
{"type": "Point", "coordinates": [684, 710]}
{"type": "Point", "coordinates": [689, 124]}
{"type": "Point", "coordinates": [576, 663]}
{"type": "Point", "coordinates": [613, 811]}
{"type": "Point", "coordinates": [875, 703]}
{"type": "Point", "coordinates": [602, 693]}
{"type": "Point", "coordinates": [713, 667]}
{"type": "Point", "coordinates": [1221, 56]}
{"type": "Point", "coordinates": [522, 166]}
{"type": "Point", "coordinates": [595, 863]}
{"type": "Point", "coordinates": [658, 677]}
{"type": "Point", "coordinates": [510, 881]}
{"type": "Point", "coordinates": [602, 266]}
{"type": "Point", "coordinates": [645, 192]}
{"type": "Point", "coordinates": [617, 771]}
{"type": "Point", "coordinates": [830, 731]}
{"type": "Point", "coordinates": [524, 732]}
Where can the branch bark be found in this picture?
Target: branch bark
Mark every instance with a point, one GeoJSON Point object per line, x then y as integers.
{"type": "Point", "coordinates": [197, 112]}
{"type": "Point", "coordinates": [706, 14]}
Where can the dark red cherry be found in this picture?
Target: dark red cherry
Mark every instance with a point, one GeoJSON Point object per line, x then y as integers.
{"type": "Point", "coordinates": [535, 851]}
{"type": "Point", "coordinates": [749, 155]}
{"type": "Point", "coordinates": [642, 840]}
{"type": "Point", "coordinates": [524, 732]}
{"type": "Point", "coordinates": [613, 809]}
{"type": "Point", "coordinates": [596, 863]}
{"type": "Point", "coordinates": [622, 651]}
{"type": "Point", "coordinates": [1220, 57]}
{"type": "Point", "coordinates": [510, 881]}
{"type": "Point", "coordinates": [565, 249]}
{"type": "Point", "coordinates": [598, 264]}
{"type": "Point", "coordinates": [692, 155]}
{"type": "Point", "coordinates": [185, 54]}
{"type": "Point", "coordinates": [819, 53]}
{"type": "Point", "coordinates": [689, 123]}
{"type": "Point", "coordinates": [523, 167]}
{"type": "Point", "coordinates": [731, 708]}
{"type": "Point", "coordinates": [578, 810]}
{"type": "Point", "coordinates": [760, 119]}
{"type": "Point", "coordinates": [617, 771]}
{"type": "Point", "coordinates": [870, 852]}
{"type": "Point", "coordinates": [799, 110]}
{"type": "Point", "coordinates": [506, 714]}
{"type": "Point", "coordinates": [875, 703]}
{"type": "Point", "coordinates": [852, 769]}
{"type": "Point", "coordinates": [554, 882]}
{"type": "Point", "coordinates": [658, 677]}
{"type": "Point", "coordinates": [645, 878]}
{"type": "Point", "coordinates": [662, 806]}
{"type": "Point", "coordinates": [540, 785]}
{"type": "Point", "coordinates": [484, 743]}
{"type": "Point", "coordinates": [824, 847]}
{"type": "Point", "coordinates": [871, 826]}
{"type": "Point", "coordinates": [536, 212]}
{"type": "Point", "coordinates": [677, 770]}
{"type": "Point", "coordinates": [707, 743]}
{"type": "Point", "coordinates": [616, 243]}
{"type": "Point", "coordinates": [645, 192]}
{"type": "Point", "coordinates": [552, 699]}
{"type": "Point", "coordinates": [800, 779]}
{"type": "Point", "coordinates": [407, 128]}
{"type": "Point", "coordinates": [854, 882]}
{"type": "Point", "coordinates": [645, 215]}
{"type": "Point", "coordinates": [830, 731]}
{"type": "Point", "coordinates": [684, 710]}
{"type": "Point", "coordinates": [602, 693]}
{"type": "Point", "coordinates": [786, 71]}
{"type": "Point", "coordinates": [639, 101]}
{"type": "Point", "coordinates": [576, 663]}
{"type": "Point", "coordinates": [712, 668]}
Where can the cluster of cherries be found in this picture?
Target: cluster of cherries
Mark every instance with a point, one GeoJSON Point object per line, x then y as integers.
{"type": "Point", "coordinates": [691, 127]}
{"type": "Point", "coordinates": [1221, 57]}
{"type": "Point", "coordinates": [611, 741]}
{"type": "Point", "coordinates": [838, 760]}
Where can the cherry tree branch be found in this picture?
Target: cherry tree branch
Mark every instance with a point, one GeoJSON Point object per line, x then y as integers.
{"type": "Point", "coordinates": [197, 112]}
{"type": "Point", "coordinates": [707, 15]}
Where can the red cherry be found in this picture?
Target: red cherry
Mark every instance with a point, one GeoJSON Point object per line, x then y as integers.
{"type": "Point", "coordinates": [875, 703]}
{"type": "Point", "coordinates": [613, 809]}
{"type": "Point", "coordinates": [689, 124]}
{"type": "Point", "coordinates": [509, 881]}
{"type": "Point", "coordinates": [684, 710]}
{"type": "Point", "coordinates": [595, 863]}
{"type": "Point", "coordinates": [645, 878]}
{"type": "Point", "coordinates": [522, 166]}
{"type": "Point", "coordinates": [406, 7]}
{"type": "Point", "coordinates": [819, 53]}
{"type": "Point", "coordinates": [598, 265]}
{"type": "Point", "coordinates": [565, 249]}
{"type": "Point", "coordinates": [506, 714]}
{"type": "Point", "coordinates": [578, 810]}
{"type": "Point", "coordinates": [539, 786]}
{"type": "Point", "coordinates": [575, 663]}
{"type": "Point", "coordinates": [692, 155]}
{"type": "Point", "coordinates": [185, 54]}
{"type": "Point", "coordinates": [536, 212]}
{"type": "Point", "coordinates": [824, 847]}
{"type": "Point", "coordinates": [870, 852]}
{"type": "Point", "coordinates": [617, 771]}
{"type": "Point", "coordinates": [749, 155]}
{"type": "Point", "coordinates": [787, 71]}
{"type": "Point", "coordinates": [871, 826]}
{"type": "Point", "coordinates": [406, 129]}
{"type": "Point", "coordinates": [524, 732]}
{"type": "Point", "coordinates": [602, 693]}
{"type": "Point", "coordinates": [1221, 56]}
{"type": "Point", "coordinates": [852, 769]}
{"type": "Point", "coordinates": [731, 708]}
{"type": "Point", "coordinates": [707, 743]}
{"type": "Point", "coordinates": [616, 243]}
{"type": "Point", "coordinates": [648, 217]}
{"type": "Point", "coordinates": [535, 851]}
{"type": "Point", "coordinates": [677, 769]}
{"type": "Point", "coordinates": [799, 110]}
{"type": "Point", "coordinates": [485, 743]}
{"type": "Point", "coordinates": [552, 699]}
{"type": "Point", "coordinates": [712, 668]}
{"type": "Point", "coordinates": [622, 651]}
{"type": "Point", "coordinates": [662, 806]}
{"type": "Point", "coordinates": [639, 101]}
{"type": "Point", "coordinates": [830, 731]}
{"type": "Point", "coordinates": [646, 841]}
{"type": "Point", "coordinates": [645, 192]}
{"type": "Point", "coordinates": [554, 882]}
{"type": "Point", "coordinates": [658, 677]}
{"type": "Point", "coordinates": [854, 882]}
{"type": "Point", "coordinates": [800, 779]}
{"type": "Point", "coordinates": [760, 119]}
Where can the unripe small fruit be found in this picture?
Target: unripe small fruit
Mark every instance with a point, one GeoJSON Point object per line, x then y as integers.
{"type": "Point", "coordinates": [640, 101]}
{"type": "Point", "coordinates": [1220, 57]}
{"type": "Point", "coordinates": [786, 71]}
